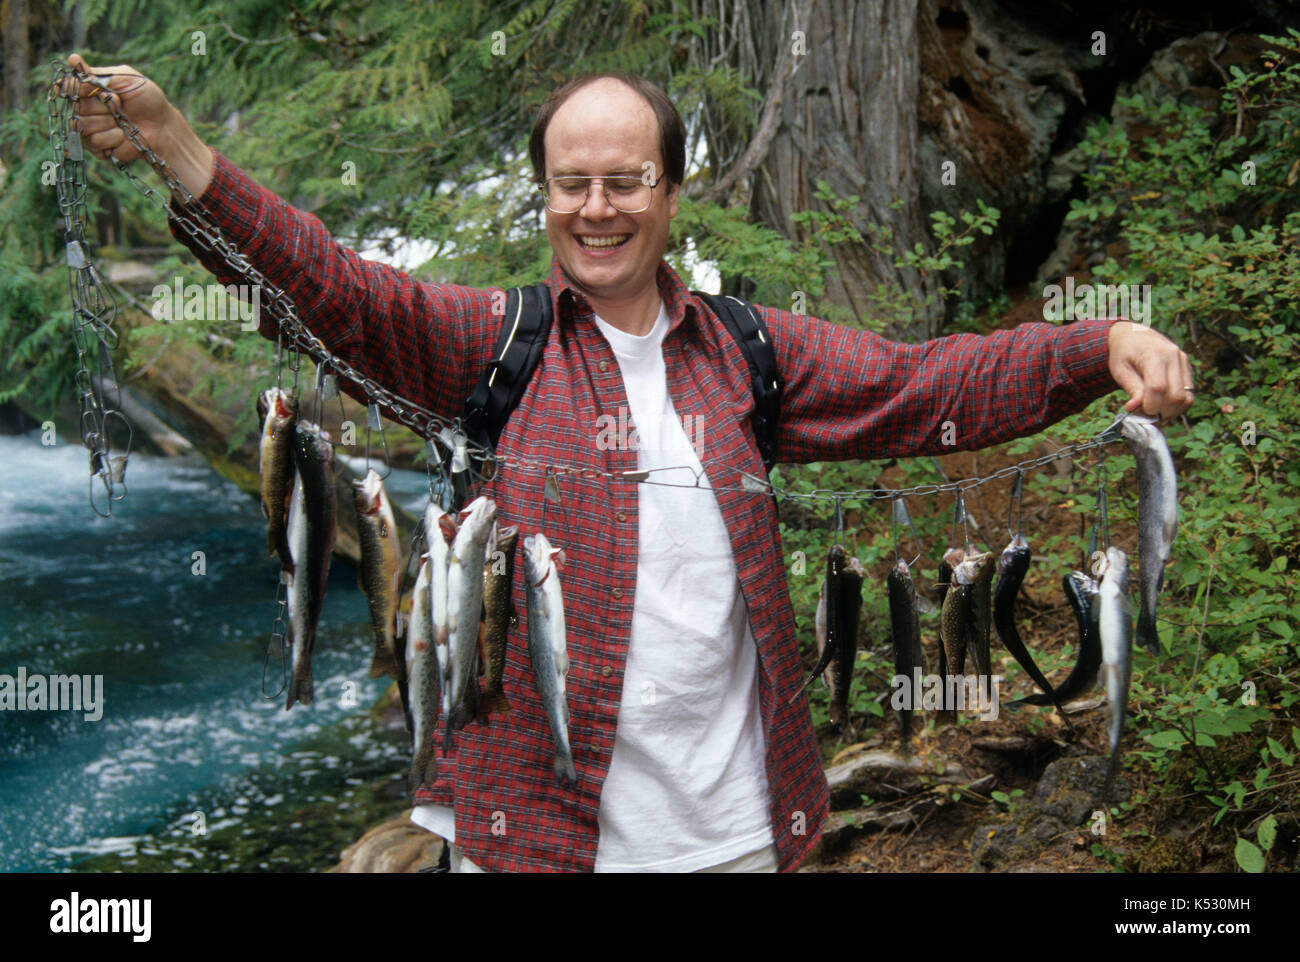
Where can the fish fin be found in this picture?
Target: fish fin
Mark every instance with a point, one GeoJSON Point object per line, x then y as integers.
{"type": "Point", "coordinates": [1146, 633]}
{"type": "Point", "coordinates": [300, 687]}
{"type": "Point", "coordinates": [564, 770]}
{"type": "Point", "coordinates": [424, 767]}
{"type": "Point", "coordinates": [381, 663]}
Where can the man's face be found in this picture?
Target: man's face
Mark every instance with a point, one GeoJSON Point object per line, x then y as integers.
{"type": "Point", "coordinates": [606, 128]}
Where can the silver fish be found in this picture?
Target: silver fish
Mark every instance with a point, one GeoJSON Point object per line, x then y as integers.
{"type": "Point", "coordinates": [1157, 516]}
{"type": "Point", "coordinates": [546, 644]}
{"type": "Point", "coordinates": [438, 525]}
{"type": "Point", "coordinates": [311, 540]}
{"type": "Point", "coordinates": [1115, 626]}
{"type": "Point", "coordinates": [465, 605]}
{"type": "Point", "coordinates": [424, 679]}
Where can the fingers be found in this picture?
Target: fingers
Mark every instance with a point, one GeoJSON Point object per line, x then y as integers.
{"type": "Point", "coordinates": [1153, 370]}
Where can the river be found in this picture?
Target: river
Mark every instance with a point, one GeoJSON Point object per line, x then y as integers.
{"type": "Point", "coordinates": [187, 757]}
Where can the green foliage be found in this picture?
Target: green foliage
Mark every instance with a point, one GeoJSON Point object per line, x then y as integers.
{"type": "Point", "coordinates": [1222, 254]}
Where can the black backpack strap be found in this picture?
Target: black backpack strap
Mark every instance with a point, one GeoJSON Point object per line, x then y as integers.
{"type": "Point", "coordinates": [749, 331]}
{"type": "Point", "coordinates": [524, 330]}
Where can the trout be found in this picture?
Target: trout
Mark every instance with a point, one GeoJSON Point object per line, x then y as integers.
{"type": "Point", "coordinates": [499, 616]}
{"type": "Point", "coordinates": [424, 679]}
{"type": "Point", "coordinates": [547, 647]}
{"type": "Point", "coordinates": [465, 566]}
{"type": "Point", "coordinates": [1081, 592]}
{"type": "Point", "coordinates": [279, 413]}
{"type": "Point", "coordinates": [380, 573]}
{"type": "Point", "coordinates": [1115, 627]}
{"type": "Point", "coordinates": [1157, 516]}
{"type": "Point", "coordinates": [905, 631]}
{"type": "Point", "coordinates": [311, 540]}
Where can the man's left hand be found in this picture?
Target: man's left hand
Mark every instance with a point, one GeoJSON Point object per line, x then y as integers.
{"type": "Point", "coordinates": [1151, 368]}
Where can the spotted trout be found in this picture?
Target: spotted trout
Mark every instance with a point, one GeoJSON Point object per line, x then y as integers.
{"type": "Point", "coordinates": [279, 412]}
{"type": "Point", "coordinates": [498, 616]}
{"type": "Point", "coordinates": [311, 541]}
{"type": "Point", "coordinates": [547, 647]}
{"type": "Point", "coordinates": [465, 567]}
{"type": "Point", "coordinates": [424, 680]}
{"type": "Point", "coordinates": [976, 570]}
{"type": "Point", "coordinates": [1157, 516]}
{"type": "Point", "coordinates": [380, 572]}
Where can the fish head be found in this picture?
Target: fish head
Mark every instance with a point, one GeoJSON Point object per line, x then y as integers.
{"type": "Point", "coordinates": [478, 517]}
{"type": "Point", "coordinates": [539, 557]}
{"type": "Point", "coordinates": [367, 493]}
{"type": "Point", "coordinates": [953, 557]}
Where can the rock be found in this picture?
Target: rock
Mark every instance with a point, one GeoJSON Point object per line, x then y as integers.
{"type": "Point", "coordinates": [398, 845]}
{"type": "Point", "coordinates": [1067, 796]}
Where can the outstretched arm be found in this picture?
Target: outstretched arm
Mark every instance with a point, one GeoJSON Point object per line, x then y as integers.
{"type": "Point", "coordinates": [425, 342]}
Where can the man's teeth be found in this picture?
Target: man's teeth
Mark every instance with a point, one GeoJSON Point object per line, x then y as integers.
{"type": "Point", "coordinates": [612, 241]}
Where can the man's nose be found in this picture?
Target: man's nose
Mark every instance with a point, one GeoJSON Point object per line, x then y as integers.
{"type": "Point", "coordinates": [597, 205]}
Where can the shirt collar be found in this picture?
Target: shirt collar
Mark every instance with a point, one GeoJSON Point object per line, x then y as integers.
{"type": "Point", "coordinates": [678, 300]}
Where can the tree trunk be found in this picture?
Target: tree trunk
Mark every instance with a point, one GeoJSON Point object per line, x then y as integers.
{"type": "Point", "coordinates": [848, 117]}
{"type": "Point", "coordinates": [14, 15]}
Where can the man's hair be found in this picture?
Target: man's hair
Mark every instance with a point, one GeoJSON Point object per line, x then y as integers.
{"type": "Point", "coordinates": [672, 132]}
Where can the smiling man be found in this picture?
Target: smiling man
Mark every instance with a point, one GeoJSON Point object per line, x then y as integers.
{"type": "Point", "coordinates": [692, 753]}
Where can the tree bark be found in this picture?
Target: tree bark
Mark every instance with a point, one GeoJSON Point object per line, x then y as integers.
{"type": "Point", "coordinates": [848, 117]}
{"type": "Point", "coordinates": [14, 16]}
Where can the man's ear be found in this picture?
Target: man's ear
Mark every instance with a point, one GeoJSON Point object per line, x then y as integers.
{"type": "Point", "coordinates": [672, 201]}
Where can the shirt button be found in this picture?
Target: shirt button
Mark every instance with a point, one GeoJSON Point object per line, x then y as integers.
{"type": "Point", "coordinates": [607, 671]}
{"type": "Point", "coordinates": [603, 366]}
{"type": "Point", "coordinates": [622, 516]}
{"type": "Point", "coordinates": [617, 593]}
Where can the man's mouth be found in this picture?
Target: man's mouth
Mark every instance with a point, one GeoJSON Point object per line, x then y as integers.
{"type": "Point", "coordinates": [596, 242]}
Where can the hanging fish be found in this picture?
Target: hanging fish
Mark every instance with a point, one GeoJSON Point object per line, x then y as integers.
{"type": "Point", "coordinates": [311, 540]}
{"type": "Point", "coordinates": [954, 616]}
{"type": "Point", "coordinates": [465, 606]}
{"type": "Point", "coordinates": [379, 572]}
{"type": "Point", "coordinates": [547, 646]}
{"type": "Point", "coordinates": [278, 412]}
{"type": "Point", "coordinates": [827, 619]}
{"type": "Point", "coordinates": [1115, 626]}
{"type": "Point", "coordinates": [1013, 564]}
{"type": "Point", "coordinates": [439, 531]}
{"type": "Point", "coordinates": [905, 630]}
{"type": "Point", "coordinates": [1157, 516]}
{"type": "Point", "coordinates": [498, 616]}
{"type": "Point", "coordinates": [976, 570]}
{"type": "Point", "coordinates": [847, 607]}
{"type": "Point", "coordinates": [1081, 593]}
{"type": "Point", "coordinates": [424, 679]}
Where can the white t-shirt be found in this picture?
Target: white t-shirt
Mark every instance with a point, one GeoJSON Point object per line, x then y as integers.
{"type": "Point", "coordinates": [687, 787]}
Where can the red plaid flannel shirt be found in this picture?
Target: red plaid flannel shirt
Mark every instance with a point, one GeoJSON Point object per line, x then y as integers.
{"type": "Point", "coordinates": [845, 394]}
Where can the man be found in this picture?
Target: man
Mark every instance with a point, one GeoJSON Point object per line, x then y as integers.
{"type": "Point", "coordinates": [681, 637]}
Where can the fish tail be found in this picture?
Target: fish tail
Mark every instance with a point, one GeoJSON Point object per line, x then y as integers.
{"type": "Point", "coordinates": [564, 770]}
{"type": "Point", "coordinates": [493, 701]}
{"type": "Point", "coordinates": [300, 686]}
{"type": "Point", "coordinates": [1146, 632]}
{"type": "Point", "coordinates": [382, 662]}
{"type": "Point", "coordinates": [424, 767]}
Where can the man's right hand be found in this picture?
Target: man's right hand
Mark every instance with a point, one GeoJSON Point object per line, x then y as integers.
{"type": "Point", "coordinates": [160, 124]}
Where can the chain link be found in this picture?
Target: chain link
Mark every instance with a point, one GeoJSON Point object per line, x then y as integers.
{"type": "Point", "coordinates": [94, 309]}
{"type": "Point", "coordinates": [192, 217]}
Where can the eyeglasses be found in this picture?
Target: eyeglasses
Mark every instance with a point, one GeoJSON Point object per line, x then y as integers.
{"type": "Point", "coordinates": [627, 195]}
